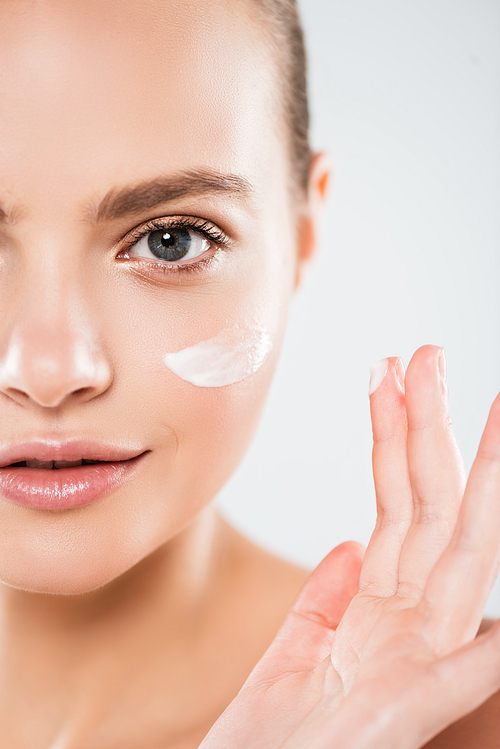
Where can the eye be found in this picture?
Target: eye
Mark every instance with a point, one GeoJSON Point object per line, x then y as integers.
{"type": "Point", "coordinates": [170, 244]}
{"type": "Point", "coordinates": [175, 245]}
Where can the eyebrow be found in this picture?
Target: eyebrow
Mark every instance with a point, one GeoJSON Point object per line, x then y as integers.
{"type": "Point", "coordinates": [150, 194]}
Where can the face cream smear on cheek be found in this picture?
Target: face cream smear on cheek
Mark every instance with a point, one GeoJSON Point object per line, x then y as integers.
{"type": "Point", "coordinates": [229, 357]}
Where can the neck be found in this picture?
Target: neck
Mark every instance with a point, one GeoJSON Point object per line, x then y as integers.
{"type": "Point", "coordinates": [60, 651]}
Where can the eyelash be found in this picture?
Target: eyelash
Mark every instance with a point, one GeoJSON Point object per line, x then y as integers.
{"type": "Point", "coordinates": [201, 226]}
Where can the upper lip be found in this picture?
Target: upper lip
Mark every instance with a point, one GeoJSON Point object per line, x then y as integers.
{"type": "Point", "coordinates": [76, 449]}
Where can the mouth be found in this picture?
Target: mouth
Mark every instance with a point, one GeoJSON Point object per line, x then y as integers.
{"type": "Point", "coordinates": [49, 464]}
{"type": "Point", "coordinates": [47, 475]}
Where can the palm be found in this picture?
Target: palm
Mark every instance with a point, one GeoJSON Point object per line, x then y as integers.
{"type": "Point", "coordinates": [381, 652]}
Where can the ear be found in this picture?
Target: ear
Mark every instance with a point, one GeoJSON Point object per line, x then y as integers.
{"type": "Point", "coordinates": [308, 227]}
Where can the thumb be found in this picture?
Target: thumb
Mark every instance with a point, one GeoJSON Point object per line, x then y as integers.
{"type": "Point", "coordinates": [306, 636]}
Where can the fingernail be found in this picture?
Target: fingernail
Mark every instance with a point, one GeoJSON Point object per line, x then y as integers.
{"type": "Point", "coordinates": [378, 371]}
{"type": "Point", "coordinates": [442, 365]}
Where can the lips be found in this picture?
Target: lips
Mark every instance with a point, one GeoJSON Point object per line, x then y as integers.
{"type": "Point", "coordinates": [49, 475]}
{"type": "Point", "coordinates": [70, 450]}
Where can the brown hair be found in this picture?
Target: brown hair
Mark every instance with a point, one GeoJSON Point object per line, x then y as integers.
{"type": "Point", "coordinates": [282, 21]}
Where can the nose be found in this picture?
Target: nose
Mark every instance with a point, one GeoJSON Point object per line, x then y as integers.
{"type": "Point", "coordinates": [51, 358]}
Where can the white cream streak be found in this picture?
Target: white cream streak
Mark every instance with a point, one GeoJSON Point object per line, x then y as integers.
{"type": "Point", "coordinates": [229, 357]}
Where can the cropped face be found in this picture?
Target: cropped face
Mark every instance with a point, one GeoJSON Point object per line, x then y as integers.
{"type": "Point", "coordinates": [144, 185]}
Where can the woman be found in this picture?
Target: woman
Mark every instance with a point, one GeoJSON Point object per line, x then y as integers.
{"type": "Point", "coordinates": [159, 205]}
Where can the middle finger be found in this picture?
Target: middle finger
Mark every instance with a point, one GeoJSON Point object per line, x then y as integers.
{"type": "Point", "coordinates": [435, 467]}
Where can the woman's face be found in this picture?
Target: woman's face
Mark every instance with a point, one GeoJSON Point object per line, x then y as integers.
{"type": "Point", "coordinates": [99, 99]}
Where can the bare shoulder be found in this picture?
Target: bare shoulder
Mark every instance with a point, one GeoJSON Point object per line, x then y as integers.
{"type": "Point", "coordinates": [478, 730]}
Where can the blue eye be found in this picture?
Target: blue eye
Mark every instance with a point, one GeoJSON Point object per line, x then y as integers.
{"type": "Point", "coordinates": [170, 244]}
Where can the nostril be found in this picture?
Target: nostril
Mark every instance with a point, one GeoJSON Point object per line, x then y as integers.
{"type": "Point", "coordinates": [85, 393]}
{"type": "Point", "coordinates": [82, 391]}
{"type": "Point", "coordinates": [16, 394]}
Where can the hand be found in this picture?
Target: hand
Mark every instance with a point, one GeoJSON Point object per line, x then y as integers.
{"type": "Point", "coordinates": [391, 662]}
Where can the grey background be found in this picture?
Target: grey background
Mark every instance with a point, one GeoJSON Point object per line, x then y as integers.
{"type": "Point", "coordinates": [405, 96]}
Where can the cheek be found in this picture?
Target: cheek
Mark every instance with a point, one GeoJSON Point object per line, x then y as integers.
{"type": "Point", "coordinates": [213, 427]}
{"type": "Point", "coordinates": [201, 358]}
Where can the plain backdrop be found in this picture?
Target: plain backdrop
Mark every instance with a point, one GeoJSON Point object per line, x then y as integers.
{"type": "Point", "coordinates": [405, 96]}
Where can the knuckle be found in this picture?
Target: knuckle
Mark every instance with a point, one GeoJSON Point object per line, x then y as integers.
{"type": "Point", "coordinates": [379, 439]}
{"type": "Point", "coordinates": [427, 514]}
{"type": "Point", "coordinates": [398, 521]}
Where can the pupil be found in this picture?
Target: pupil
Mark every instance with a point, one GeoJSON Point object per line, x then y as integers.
{"type": "Point", "coordinates": [170, 244]}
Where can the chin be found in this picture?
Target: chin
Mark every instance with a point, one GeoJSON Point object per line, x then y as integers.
{"type": "Point", "coordinates": [66, 564]}
{"type": "Point", "coordinates": [69, 576]}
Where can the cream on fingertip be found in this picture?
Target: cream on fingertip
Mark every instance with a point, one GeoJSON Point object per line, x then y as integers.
{"type": "Point", "coordinates": [442, 365]}
{"type": "Point", "coordinates": [378, 371]}
{"type": "Point", "coordinates": [400, 373]}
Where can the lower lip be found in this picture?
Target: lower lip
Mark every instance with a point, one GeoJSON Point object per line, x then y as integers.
{"type": "Point", "coordinates": [64, 488]}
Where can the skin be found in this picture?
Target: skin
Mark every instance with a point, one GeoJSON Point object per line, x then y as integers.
{"type": "Point", "coordinates": [135, 620]}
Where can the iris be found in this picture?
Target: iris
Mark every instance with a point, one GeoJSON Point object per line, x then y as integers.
{"type": "Point", "coordinates": [171, 245]}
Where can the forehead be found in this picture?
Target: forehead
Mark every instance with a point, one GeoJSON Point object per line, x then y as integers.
{"type": "Point", "coordinates": [126, 88]}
